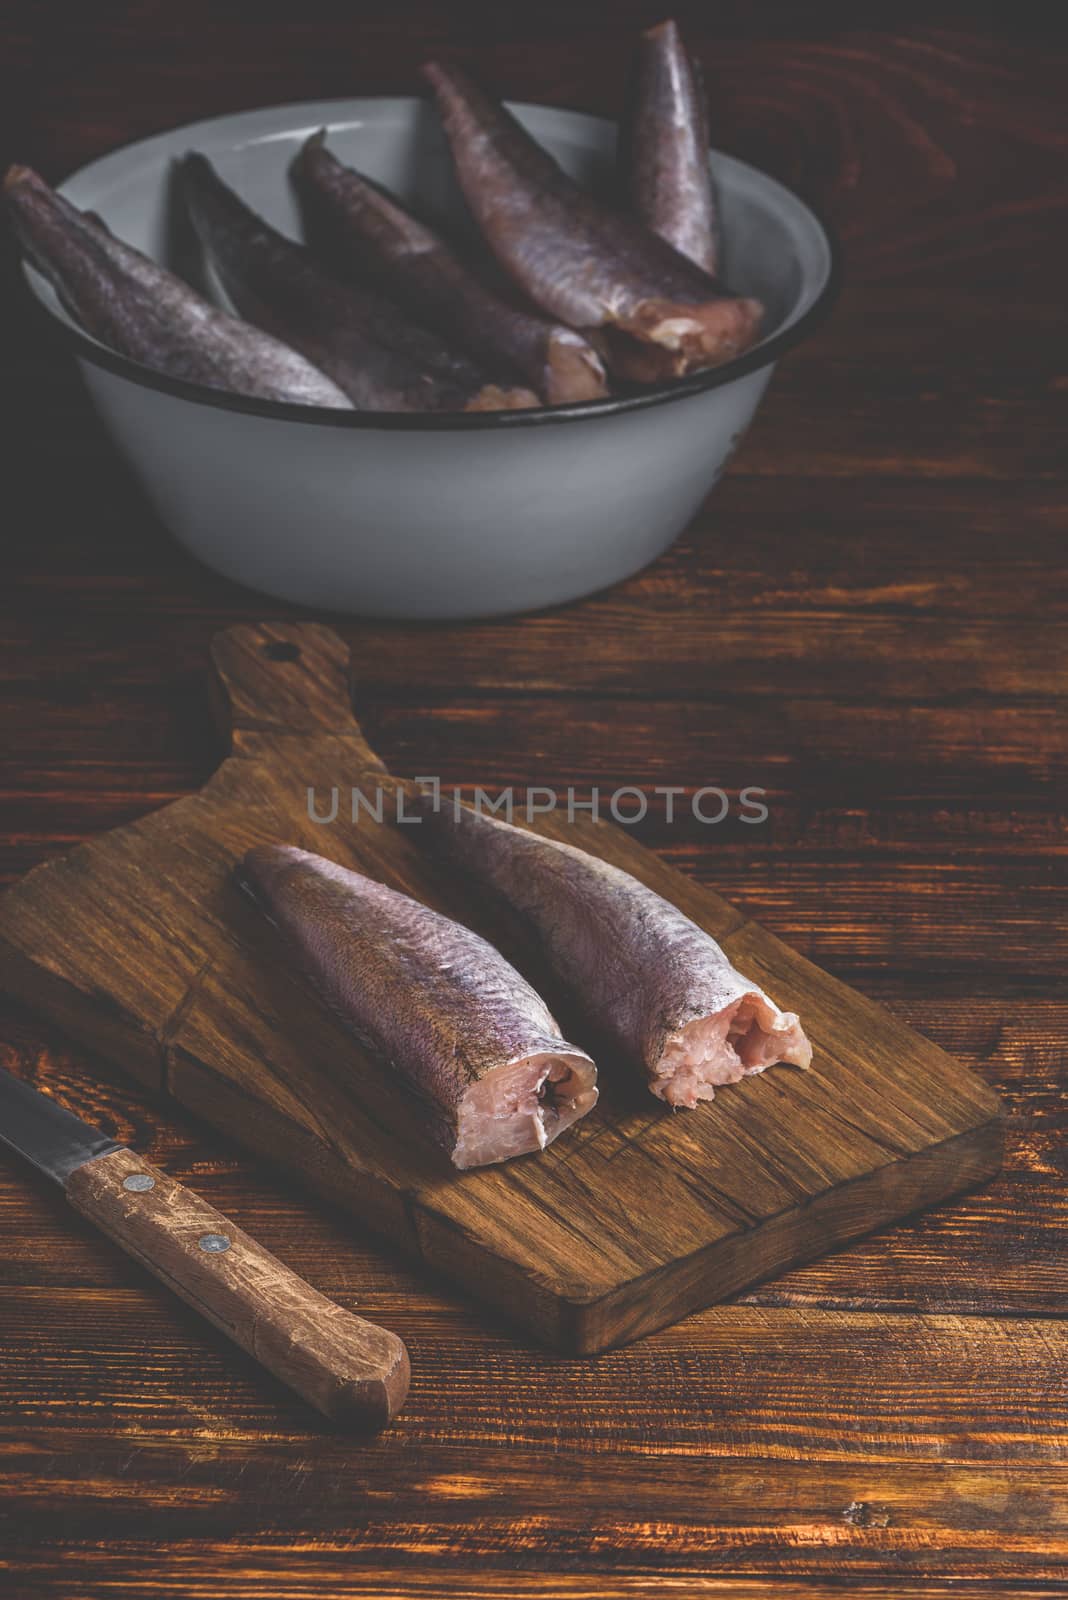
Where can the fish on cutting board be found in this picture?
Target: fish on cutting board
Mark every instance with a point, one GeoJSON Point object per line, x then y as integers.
{"type": "Point", "coordinates": [656, 312]}
{"type": "Point", "coordinates": [664, 148]}
{"type": "Point", "coordinates": [492, 1075]}
{"type": "Point", "coordinates": [379, 241]}
{"type": "Point", "coordinates": [138, 308]}
{"type": "Point", "coordinates": [644, 974]}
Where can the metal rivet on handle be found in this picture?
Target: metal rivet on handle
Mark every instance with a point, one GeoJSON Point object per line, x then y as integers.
{"type": "Point", "coordinates": [139, 1182]}
{"type": "Point", "coordinates": [214, 1243]}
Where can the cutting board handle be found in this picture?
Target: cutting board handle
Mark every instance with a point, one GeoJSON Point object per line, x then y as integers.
{"type": "Point", "coordinates": [284, 677]}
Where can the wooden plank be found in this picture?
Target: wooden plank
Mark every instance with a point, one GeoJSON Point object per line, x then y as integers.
{"type": "Point", "coordinates": [1009, 751]}
{"type": "Point", "coordinates": [672, 1514]}
{"type": "Point", "coordinates": [940, 1449]}
{"type": "Point", "coordinates": [249, 1570]}
{"type": "Point", "coordinates": [733, 1383]}
{"type": "Point", "coordinates": [885, 656]}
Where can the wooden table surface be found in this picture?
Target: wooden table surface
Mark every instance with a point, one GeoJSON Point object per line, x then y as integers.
{"type": "Point", "coordinates": [868, 620]}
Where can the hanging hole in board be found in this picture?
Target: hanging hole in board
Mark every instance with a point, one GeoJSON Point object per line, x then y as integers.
{"type": "Point", "coordinates": [280, 650]}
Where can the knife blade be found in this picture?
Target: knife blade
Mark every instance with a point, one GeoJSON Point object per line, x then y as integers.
{"type": "Point", "coordinates": [353, 1371]}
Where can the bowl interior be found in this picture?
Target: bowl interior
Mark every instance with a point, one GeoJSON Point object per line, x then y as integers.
{"type": "Point", "coordinates": [775, 247]}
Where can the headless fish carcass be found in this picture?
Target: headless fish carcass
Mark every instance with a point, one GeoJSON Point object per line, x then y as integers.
{"type": "Point", "coordinates": [381, 359]}
{"type": "Point", "coordinates": [664, 148]}
{"type": "Point", "coordinates": [655, 313]}
{"type": "Point", "coordinates": [138, 308]}
{"type": "Point", "coordinates": [645, 975]}
{"type": "Point", "coordinates": [377, 239]}
{"type": "Point", "coordinates": [491, 1074]}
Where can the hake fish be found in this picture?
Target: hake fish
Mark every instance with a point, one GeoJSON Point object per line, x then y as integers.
{"type": "Point", "coordinates": [657, 314]}
{"type": "Point", "coordinates": [644, 974]}
{"type": "Point", "coordinates": [138, 308]}
{"type": "Point", "coordinates": [664, 148]}
{"type": "Point", "coordinates": [492, 1075]}
{"type": "Point", "coordinates": [378, 240]}
{"type": "Point", "coordinates": [381, 360]}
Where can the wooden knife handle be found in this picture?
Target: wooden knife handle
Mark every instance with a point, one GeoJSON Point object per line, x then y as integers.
{"type": "Point", "coordinates": [351, 1370]}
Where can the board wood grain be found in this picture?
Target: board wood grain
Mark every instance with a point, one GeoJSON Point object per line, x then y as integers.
{"type": "Point", "coordinates": [141, 946]}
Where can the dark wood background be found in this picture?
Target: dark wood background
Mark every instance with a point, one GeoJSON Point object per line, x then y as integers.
{"type": "Point", "coordinates": [868, 620]}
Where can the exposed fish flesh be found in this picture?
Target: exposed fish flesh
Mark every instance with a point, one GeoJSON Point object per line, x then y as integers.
{"type": "Point", "coordinates": [135, 306]}
{"type": "Point", "coordinates": [382, 361]}
{"type": "Point", "coordinates": [378, 240]}
{"type": "Point", "coordinates": [646, 976]}
{"type": "Point", "coordinates": [595, 268]}
{"type": "Point", "coordinates": [664, 148]}
{"type": "Point", "coordinates": [493, 1076]}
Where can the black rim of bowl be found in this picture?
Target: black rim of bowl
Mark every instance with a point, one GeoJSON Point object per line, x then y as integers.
{"type": "Point", "coordinates": [762, 355]}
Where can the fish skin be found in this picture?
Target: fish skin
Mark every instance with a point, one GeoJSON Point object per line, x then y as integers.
{"type": "Point", "coordinates": [382, 360]}
{"type": "Point", "coordinates": [426, 994]}
{"type": "Point", "coordinates": [375, 237]}
{"type": "Point", "coordinates": [138, 308]}
{"type": "Point", "coordinates": [664, 148]}
{"type": "Point", "coordinates": [639, 968]}
{"type": "Point", "coordinates": [593, 267]}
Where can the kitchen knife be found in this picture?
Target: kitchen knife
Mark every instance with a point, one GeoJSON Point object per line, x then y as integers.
{"type": "Point", "coordinates": [351, 1370]}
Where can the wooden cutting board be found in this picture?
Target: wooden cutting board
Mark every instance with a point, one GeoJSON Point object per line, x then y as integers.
{"type": "Point", "coordinates": [140, 946]}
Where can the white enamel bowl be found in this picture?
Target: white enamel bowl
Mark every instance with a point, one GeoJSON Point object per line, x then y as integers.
{"type": "Point", "coordinates": [450, 517]}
